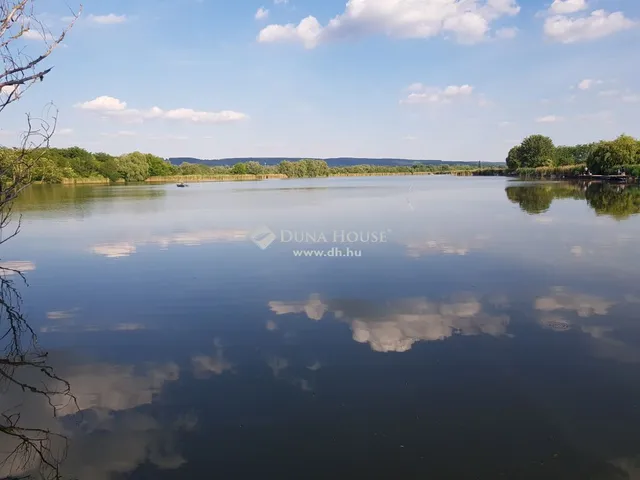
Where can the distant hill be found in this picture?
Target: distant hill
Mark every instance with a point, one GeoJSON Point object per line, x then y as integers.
{"type": "Point", "coordinates": [332, 162]}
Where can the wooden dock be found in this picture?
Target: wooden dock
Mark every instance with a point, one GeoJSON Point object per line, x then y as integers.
{"type": "Point", "coordinates": [609, 178]}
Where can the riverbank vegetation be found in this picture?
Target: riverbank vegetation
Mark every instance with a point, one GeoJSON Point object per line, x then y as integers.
{"type": "Point", "coordinates": [537, 156]}
{"type": "Point", "coordinates": [75, 165]}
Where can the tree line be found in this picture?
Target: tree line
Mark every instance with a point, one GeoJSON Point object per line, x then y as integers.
{"type": "Point", "coordinates": [604, 157]}
{"type": "Point", "coordinates": [53, 165]}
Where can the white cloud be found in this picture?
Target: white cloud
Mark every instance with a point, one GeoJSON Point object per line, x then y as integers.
{"type": "Point", "coordinates": [307, 33]}
{"type": "Point", "coordinates": [396, 326]}
{"type": "Point", "coordinates": [280, 2]}
{"type": "Point", "coordinates": [9, 89]}
{"type": "Point", "coordinates": [562, 7]}
{"type": "Point", "coordinates": [109, 19]}
{"type": "Point", "coordinates": [65, 131]}
{"type": "Point", "coordinates": [549, 119]}
{"type": "Point", "coordinates": [505, 124]}
{"type": "Point", "coordinates": [115, 387]}
{"type": "Point", "coordinates": [37, 35]}
{"type": "Point", "coordinates": [506, 33]}
{"type": "Point", "coordinates": [583, 305]}
{"type": "Point", "coordinates": [599, 24]}
{"type": "Point", "coordinates": [189, 239]}
{"type": "Point", "coordinates": [587, 83]}
{"type": "Point", "coordinates": [608, 93]}
{"type": "Point", "coordinates": [103, 104]}
{"type": "Point", "coordinates": [468, 21]}
{"type": "Point", "coordinates": [421, 94]}
{"type": "Point", "coordinates": [262, 13]}
{"type": "Point", "coordinates": [115, 250]}
{"type": "Point", "coordinates": [11, 267]}
{"type": "Point", "coordinates": [114, 107]}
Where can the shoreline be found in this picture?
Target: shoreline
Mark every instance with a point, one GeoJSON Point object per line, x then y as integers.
{"type": "Point", "coordinates": [244, 178]}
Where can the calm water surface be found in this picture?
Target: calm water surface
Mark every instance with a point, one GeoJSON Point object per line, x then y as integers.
{"type": "Point", "coordinates": [493, 333]}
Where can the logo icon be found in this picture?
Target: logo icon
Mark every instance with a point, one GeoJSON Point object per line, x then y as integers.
{"type": "Point", "coordinates": [262, 237]}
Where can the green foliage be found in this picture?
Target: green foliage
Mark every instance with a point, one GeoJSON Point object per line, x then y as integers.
{"type": "Point", "coordinates": [536, 151]}
{"type": "Point", "coordinates": [617, 201]}
{"type": "Point", "coordinates": [133, 167]}
{"type": "Point", "coordinates": [608, 156]}
{"type": "Point", "coordinates": [159, 167]}
{"type": "Point", "coordinates": [239, 169]}
{"type": "Point", "coordinates": [551, 172]}
{"type": "Point", "coordinates": [513, 158]}
{"type": "Point", "coordinates": [533, 199]}
{"type": "Point", "coordinates": [254, 168]}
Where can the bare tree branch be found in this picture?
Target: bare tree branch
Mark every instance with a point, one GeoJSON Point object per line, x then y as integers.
{"type": "Point", "coordinates": [21, 357]}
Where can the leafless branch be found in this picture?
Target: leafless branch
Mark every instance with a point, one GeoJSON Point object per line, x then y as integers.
{"type": "Point", "coordinates": [18, 23]}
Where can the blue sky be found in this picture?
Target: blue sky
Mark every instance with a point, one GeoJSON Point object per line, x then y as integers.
{"type": "Point", "coordinates": [423, 79]}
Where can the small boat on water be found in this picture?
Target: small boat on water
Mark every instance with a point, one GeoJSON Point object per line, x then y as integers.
{"type": "Point", "coordinates": [182, 185]}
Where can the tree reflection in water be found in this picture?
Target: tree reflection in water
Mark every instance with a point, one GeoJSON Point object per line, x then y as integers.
{"type": "Point", "coordinates": [617, 201]}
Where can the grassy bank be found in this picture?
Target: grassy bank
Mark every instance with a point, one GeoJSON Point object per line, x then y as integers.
{"type": "Point", "coordinates": [211, 178]}
{"type": "Point", "coordinates": [87, 181]}
{"type": "Point", "coordinates": [246, 177]}
{"type": "Point", "coordinates": [573, 171]}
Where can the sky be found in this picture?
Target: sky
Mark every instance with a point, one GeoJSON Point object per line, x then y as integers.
{"type": "Point", "coordinates": [457, 80]}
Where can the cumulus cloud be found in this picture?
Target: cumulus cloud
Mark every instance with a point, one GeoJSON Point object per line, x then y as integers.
{"type": "Point", "coordinates": [599, 24]}
{"type": "Point", "coordinates": [112, 438]}
{"type": "Point", "coordinates": [314, 308]}
{"type": "Point", "coordinates": [396, 326]}
{"type": "Point", "coordinates": [103, 104]}
{"type": "Point", "coordinates": [469, 21]}
{"type": "Point", "coordinates": [110, 19]}
{"type": "Point", "coordinates": [114, 107]}
{"type": "Point", "coordinates": [115, 387]}
{"type": "Point", "coordinates": [581, 304]}
{"type": "Point", "coordinates": [563, 7]}
{"type": "Point", "coordinates": [262, 13]}
{"type": "Point", "coordinates": [422, 94]}
{"type": "Point", "coordinates": [549, 119]}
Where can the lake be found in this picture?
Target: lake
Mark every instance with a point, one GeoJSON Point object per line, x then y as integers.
{"type": "Point", "coordinates": [377, 327]}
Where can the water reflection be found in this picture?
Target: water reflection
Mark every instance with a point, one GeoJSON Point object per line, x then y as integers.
{"type": "Point", "coordinates": [617, 201]}
{"type": "Point", "coordinates": [189, 239]}
{"type": "Point", "coordinates": [219, 355]}
{"type": "Point", "coordinates": [72, 198]}
{"type": "Point", "coordinates": [395, 326]}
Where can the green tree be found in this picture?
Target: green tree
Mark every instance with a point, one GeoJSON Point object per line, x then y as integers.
{"type": "Point", "coordinates": [159, 167]}
{"type": "Point", "coordinates": [133, 167]}
{"type": "Point", "coordinates": [239, 169]}
{"type": "Point", "coordinates": [536, 151]}
{"type": "Point", "coordinates": [564, 156]}
{"type": "Point", "coordinates": [513, 158]}
{"type": "Point", "coordinates": [608, 156]}
{"type": "Point", "coordinates": [254, 168]}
